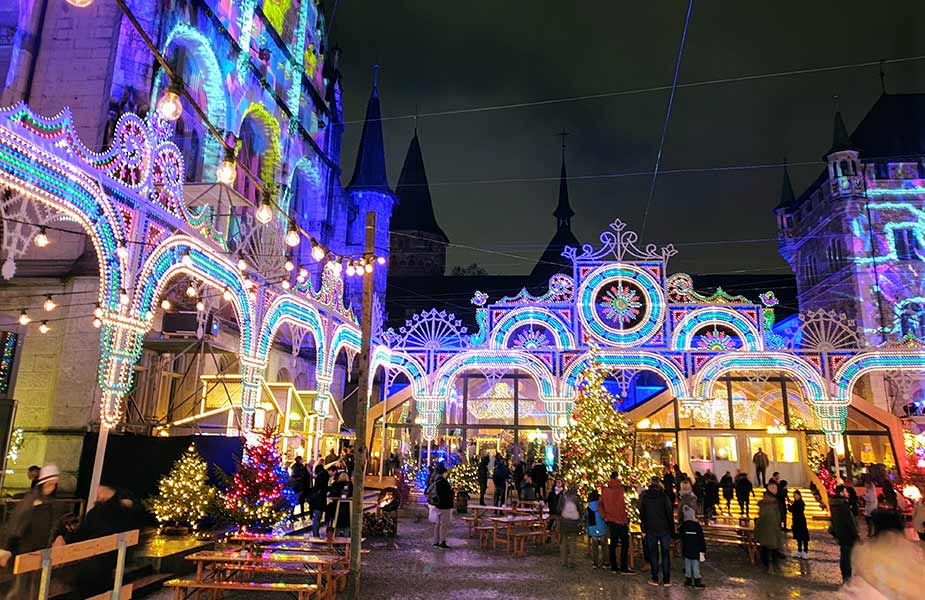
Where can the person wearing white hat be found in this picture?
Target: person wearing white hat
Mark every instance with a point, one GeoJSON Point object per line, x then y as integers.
{"type": "Point", "coordinates": [35, 524]}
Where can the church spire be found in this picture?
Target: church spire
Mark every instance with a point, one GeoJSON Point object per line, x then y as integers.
{"type": "Point", "coordinates": [563, 212]}
{"type": "Point", "coordinates": [415, 209]}
{"type": "Point", "coordinates": [787, 197]}
{"type": "Point", "coordinates": [369, 170]}
{"type": "Point", "coordinates": [840, 138]}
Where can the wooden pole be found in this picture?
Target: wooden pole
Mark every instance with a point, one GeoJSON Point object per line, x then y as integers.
{"type": "Point", "coordinates": [360, 450]}
{"type": "Point", "coordinates": [98, 465]}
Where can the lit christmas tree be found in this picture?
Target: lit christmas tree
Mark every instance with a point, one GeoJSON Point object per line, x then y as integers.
{"type": "Point", "coordinates": [183, 497]}
{"type": "Point", "coordinates": [465, 477]}
{"type": "Point", "coordinates": [599, 440]}
{"type": "Point", "coordinates": [258, 497]}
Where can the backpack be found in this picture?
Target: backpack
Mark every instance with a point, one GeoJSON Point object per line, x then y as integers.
{"type": "Point", "coordinates": [570, 510]}
{"type": "Point", "coordinates": [590, 518]}
{"type": "Point", "coordinates": [432, 497]}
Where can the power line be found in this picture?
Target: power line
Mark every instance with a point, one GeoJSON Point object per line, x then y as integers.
{"type": "Point", "coordinates": [648, 90]}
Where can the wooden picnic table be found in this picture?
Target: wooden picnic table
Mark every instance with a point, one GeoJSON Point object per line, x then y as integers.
{"type": "Point", "coordinates": [232, 562]}
{"type": "Point", "coordinates": [743, 535]}
{"type": "Point", "coordinates": [340, 545]}
{"type": "Point", "coordinates": [507, 524]}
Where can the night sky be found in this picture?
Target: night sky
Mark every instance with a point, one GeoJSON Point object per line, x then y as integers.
{"type": "Point", "coordinates": [437, 56]}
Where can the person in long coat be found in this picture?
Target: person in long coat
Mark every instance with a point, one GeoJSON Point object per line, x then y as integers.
{"type": "Point", "coordinates": [799, 528]}
{"type": "Point", "coordinates": [768, 533]}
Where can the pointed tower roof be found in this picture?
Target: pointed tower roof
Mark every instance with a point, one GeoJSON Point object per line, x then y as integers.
{"type": "Point", "coordinates": [415, 210]}
{"type": "Point", "coordinates": [840, 138]}
{"type": "Point", "coordinates": [787, 198]}
{"type": "Point", "coordinates": [369, 170]}
{"type": "Point", "coordinates": [552, 261]}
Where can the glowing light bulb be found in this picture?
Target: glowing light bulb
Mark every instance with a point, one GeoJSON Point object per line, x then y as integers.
{"type": "Point", "coordinates": [123, 297]}
{"type": "Point", "coordinates": [80, 3]}
{"type": "Point", "coordinates": [350, 270]}
{"type": "Point", "coordinates": [289, 266]}
{"type": "Point", "coordinates": [242, 266]}
{"type": "Point", "coordinates": [227, 295]}
{"type": "Point", "coordinates": [368, 267]}
{"type": "Point", "coordinates": [187, 259]}
{"type": "Point", "coordinates": [122, 251]}
{"type": "Point", "coordinates": [380, 260]}
{"type": "Point", "coordinates": [24, 317]}
{"type": "Point", "coordinates": [97, 322]}
{"type": "Point", "coordinates": [303, 272]}
{"type": "Point", "coordinates": [338, 267]}
{"type": "Point", "coordinates": [165, 304]}
{"type": "Point", "coordinates": [317, 252]}
{"type": "Point", "coordinates": [264, 212]}
{"type": "Point", "coordinates": [44, 328]}
{"type": "Point", "coordinates": [286, 285]}
{"type": "Point", "coordinates": [191, 290]}
{"type": "Point", "coordinates": [41, 240]}
{"type": "Point", "coordinates": [49, 304]}
{"type": "Point", "coordinates": [169, 106]}
{"type": "Point", "coordinates": [200, 305]}
{"type": "Point", "coordinates": [227, 170]}
{"type": "Point", "coordinates": [292, 236]}
{"type": "Point", "coordinates": [98, 311]}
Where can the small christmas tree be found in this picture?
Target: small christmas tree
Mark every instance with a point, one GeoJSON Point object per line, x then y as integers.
{"type": "Point", "coordinates": [464, 477]}
{"type": "Point", "coordinates": [183, 497]}
{"type": "Point", "coordinates": [599, 440]}
{"type": "Point", "coordinates": [258, 497]}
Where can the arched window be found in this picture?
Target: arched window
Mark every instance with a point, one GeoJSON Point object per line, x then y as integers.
{"type": "Point", "coordinates": [190, 131]}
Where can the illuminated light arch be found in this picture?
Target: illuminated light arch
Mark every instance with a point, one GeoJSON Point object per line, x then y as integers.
{"type": "Point", "coordinates": [444, 378]}
{"type": "Point", "coordinates": [642, 361]}
{"type": "Point", "coordinates": [687, 327]}
{"type": "Point", "coordinates": [385, 358]}
{"type": "Point", "coordinates": [166, 262]}
{"type": "Point", "coordinates": [271, 132]}
{"type": "Point", "coordinates": [508, 324]}
{"type": "Point", "coordinates": [857, 366]}
{"type": "Point", "coordinates": [286, 309]}
{"type": "Point", "coordinates": [213, 86]}
{"type": "Point", "coordinates": [344, 337]}
{"type": "Point", "coordinates": [653, 315]}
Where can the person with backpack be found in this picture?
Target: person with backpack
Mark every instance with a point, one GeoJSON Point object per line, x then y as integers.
{"type": "Point", "coordinates": [570, 511]}
{"type": "Point", "coordinates": [597, 529]}
{"type": "Point", "coordinates": [693, 547]}
{"type": "Point", "coordinates": [440, 498]}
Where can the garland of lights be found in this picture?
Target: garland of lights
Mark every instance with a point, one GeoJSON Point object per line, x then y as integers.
{"type": "Point", "coordinates": [506, 326]}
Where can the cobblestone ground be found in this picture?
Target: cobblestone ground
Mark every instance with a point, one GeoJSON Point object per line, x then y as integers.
{"type": "Point", "coordinates": [410, 568]}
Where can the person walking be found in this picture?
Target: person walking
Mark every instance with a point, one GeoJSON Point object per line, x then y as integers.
{"type": "Point", "coordinates": [761, 462]}
{"type": "Point", "coordinates": [500, 477]}
{"type": "Point", "coordinates": [669, 481]}
{"type": "Point", "coordinates": [443, 492]}
{"type": "Point", "coordinates": [744, 492]}
{"type": "Point", "coordinates": [728, 487]}
{"type": "Point", "coordinates": [597, 530]}
{"type": "Point", "coordinates": [300, 482]}
{"type": "Point", "coordinates": [35, 524]}
{"type": "Point", "coordinates": [693, 548]}
{"type": "Point", "coordinates": [481, 475]}
{"type": "Point", "coordinates": [613, 508]}
{"type": "Point", "coordinates": [782, 497]}
{"type": "Point", "coordinates": [711, 497]}
{"type": "Point", "coordinates": [800, 530]}
{"type": "Point", "coordinates": [318, 497]}
{"type": "Point", "coordinates": [518, 475]}
{"type": "Point", "coordinates": [570, 510]}
{"type": "Point", "coordinates": [657, 522]}
{"type": "Point", "coordinates": [870, 505]}
{"type": "Point", "coordinates": [768, 533]}
{"type": "Point", "coordinates": [540, 476]}
{"type": "Point", "coordinates": [844, 529]}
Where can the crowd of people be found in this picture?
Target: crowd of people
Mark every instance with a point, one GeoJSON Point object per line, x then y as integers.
{"type": "Point", "coordinates": [322, 489]}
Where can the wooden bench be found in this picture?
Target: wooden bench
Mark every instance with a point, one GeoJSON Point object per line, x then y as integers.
{"type": "Point", "coordinates": [471, 524]}
{"type": "Point", "coordinates": [45, 560]}
{"type": "Point", "coordinates": [486, 532]}
{"type": "Point", "coordinates": [520, 538]}
{"type": "Point", "coordinates": [302, 590]}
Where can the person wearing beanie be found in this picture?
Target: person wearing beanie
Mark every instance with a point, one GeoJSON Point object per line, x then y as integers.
{"type": "Point", "coordinates": [693, 547]}
{"type": "Point", "coordinates": [35, 524]}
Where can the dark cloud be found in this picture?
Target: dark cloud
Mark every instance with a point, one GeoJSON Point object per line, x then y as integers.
{"type": "Point", "coordinates": [437, 56]}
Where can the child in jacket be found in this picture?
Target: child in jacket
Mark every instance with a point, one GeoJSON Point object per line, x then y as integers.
{"type": "Point", "coordinates": [693, 547]}
{"type": "Point", "coordinates": [597, 530]}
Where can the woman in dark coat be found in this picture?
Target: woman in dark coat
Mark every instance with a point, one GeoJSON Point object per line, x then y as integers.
{"type": "Point", "coordinates": [341, 490]}
{"type": "Point", "coordinates": [482, 476]}
{"type": "Point", "coordinates": [799, 529]}
{"type": "Point", "coordinates": [318, 498]}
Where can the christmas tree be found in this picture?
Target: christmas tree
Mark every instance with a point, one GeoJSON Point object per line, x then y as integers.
{"type": "Point", "coordinates": [183, 497]}
{"type": "Point", "coordinates": [465, 477]}
{"type": "Point", "coordinates": [599, 440]}
{"type": "Point", "coordinates": [258, 497]}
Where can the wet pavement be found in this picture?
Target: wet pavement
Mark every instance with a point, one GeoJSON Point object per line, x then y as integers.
{"type": "Point", "coordinates": [410, 568]}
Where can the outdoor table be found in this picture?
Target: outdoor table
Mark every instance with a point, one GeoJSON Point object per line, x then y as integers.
{"type": "Point", "coordinates": [341, 545]}
{"type": "Point", "coordinates": [478, 511]}
{"type": "Point", "coordinates": [321, 564]}
{"type": "Point", "coordinates": [508, 523]}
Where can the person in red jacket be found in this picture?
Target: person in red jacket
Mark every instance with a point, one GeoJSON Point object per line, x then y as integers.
{"type": "Point", "coordinates": [613, 508]}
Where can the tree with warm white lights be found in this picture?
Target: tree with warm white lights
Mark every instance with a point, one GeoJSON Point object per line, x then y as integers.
{"type": "Point", "coordinates": [599, 440]}
{"type": "Point", "coordinates": [258, 496]}
{"type": "Point", "coordinates": [183, 496]}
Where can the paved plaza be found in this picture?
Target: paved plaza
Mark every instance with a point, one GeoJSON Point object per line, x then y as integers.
{"type": "Point", "coordinates": [409, 568]}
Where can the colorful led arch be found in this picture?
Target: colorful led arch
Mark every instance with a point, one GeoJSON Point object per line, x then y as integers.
{"type": "Point", "coordinates": [492, 360]}
{"type": "Point", "coordinates": [644, 361]}
{"type": "Point", "coordinates": [859, 365]}
{"type": "Point", "coordinates": [685, 329]}
{"type": "Point", "coordinates": [652, 304]}
{"type": "Point", "coordinates": [286, 309]}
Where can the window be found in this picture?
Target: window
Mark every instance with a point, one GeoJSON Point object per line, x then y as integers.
{"type": "Point", "coordinates": [724, 448]}
{"type": "Point", "coordinates": [907, 245]}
